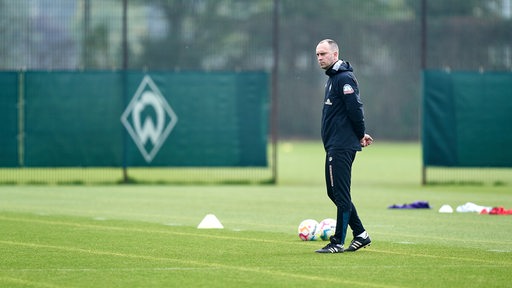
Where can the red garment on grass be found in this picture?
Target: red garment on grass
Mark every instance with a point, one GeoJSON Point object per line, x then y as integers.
{"type": "Point", "coordinates": [500, 211]}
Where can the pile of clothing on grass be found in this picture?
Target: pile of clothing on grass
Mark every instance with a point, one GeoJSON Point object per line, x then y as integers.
{"type": "Point", "coordinates": [465, 208]}
{"type": "Point", "coordinates": [472, 207]}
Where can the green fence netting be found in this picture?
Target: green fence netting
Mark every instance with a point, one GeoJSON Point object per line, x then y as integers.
{"type": "Point", "coordinates": [467, 119]}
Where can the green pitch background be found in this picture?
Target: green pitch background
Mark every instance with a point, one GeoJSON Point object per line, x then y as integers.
{"type": "Point", "coordinates": [145, 235]}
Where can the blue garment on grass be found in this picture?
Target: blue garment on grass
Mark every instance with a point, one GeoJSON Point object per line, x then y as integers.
{"type": "Point", "coordinates": [413, 205]}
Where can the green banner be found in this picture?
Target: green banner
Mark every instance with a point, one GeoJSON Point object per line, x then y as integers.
{"type": "Point", "coordinates": [111, 119]}
{"type": "Point", "coordinates": [9, 95]}
{"type": "Point", "coordinates": [72, 119]}
{"type": "Point", "coordinates": [217, 119]}
{"type": "Point", "coordinates": [467, 120]}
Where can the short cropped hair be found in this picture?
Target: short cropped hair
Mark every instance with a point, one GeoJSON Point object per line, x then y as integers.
{"type": "Point", "coordinates": [332, 44]}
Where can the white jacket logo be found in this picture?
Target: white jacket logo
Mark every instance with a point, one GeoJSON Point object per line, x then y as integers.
{"type": "Point", "coordinates": [141, 128]}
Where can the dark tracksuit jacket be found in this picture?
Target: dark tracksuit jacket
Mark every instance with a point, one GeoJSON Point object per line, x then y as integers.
{"type": "Point", "coordinates": [342, 129]}
{"type": "Point", "coordinates": [342, 115]}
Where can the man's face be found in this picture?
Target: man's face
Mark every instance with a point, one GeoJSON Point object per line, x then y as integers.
{"type": "Point", "coordinates": [325, 56]}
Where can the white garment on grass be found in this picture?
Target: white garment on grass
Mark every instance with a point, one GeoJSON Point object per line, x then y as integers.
{"type": "Point", "coordinates": [472, 207]}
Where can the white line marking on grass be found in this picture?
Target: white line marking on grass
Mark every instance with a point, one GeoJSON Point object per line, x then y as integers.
{"type": "Point", "coordinates": [441, 257]}
{"type": "Point", "coordinates": [443, 238]}
{"type": "Point", "coordinates": [104, 269]}
{"type": "Point", "coordinates": [28, 283]}
{"type": "Point", "coordinates": [92, 213]}
{"type": "Point", "coordinates": [258, 270]}
{"type": "Point", "coordinates": [499, 251]}
{"type": "Point", "coordinates": [405, 242]}
{"type": "Point", "coordinates": [123, 229]}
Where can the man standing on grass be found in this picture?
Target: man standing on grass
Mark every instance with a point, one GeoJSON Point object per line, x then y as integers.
{"type": "Point", "coordinates": [343, 134]}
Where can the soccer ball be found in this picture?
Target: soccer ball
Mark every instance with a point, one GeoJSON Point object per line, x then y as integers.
{"type": "Point", "coordinates": [327, 227]}
{"type": "Point", "coordinates": [308, 230]}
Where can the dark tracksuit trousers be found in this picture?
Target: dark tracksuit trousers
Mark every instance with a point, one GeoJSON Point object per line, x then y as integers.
{"type": "Point", "coordinates": [338, 170]}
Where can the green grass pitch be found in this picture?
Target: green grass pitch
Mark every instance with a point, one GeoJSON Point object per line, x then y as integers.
{"type": "Point", "coordinates": [146, 236]}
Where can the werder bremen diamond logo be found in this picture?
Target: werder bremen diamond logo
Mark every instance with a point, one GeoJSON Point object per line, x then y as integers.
{"type": "Point", "coordinates": [149, 119]}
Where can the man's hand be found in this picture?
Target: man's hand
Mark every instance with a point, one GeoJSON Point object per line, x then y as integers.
{"type": "Point", "coordinates": [366, 140]}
